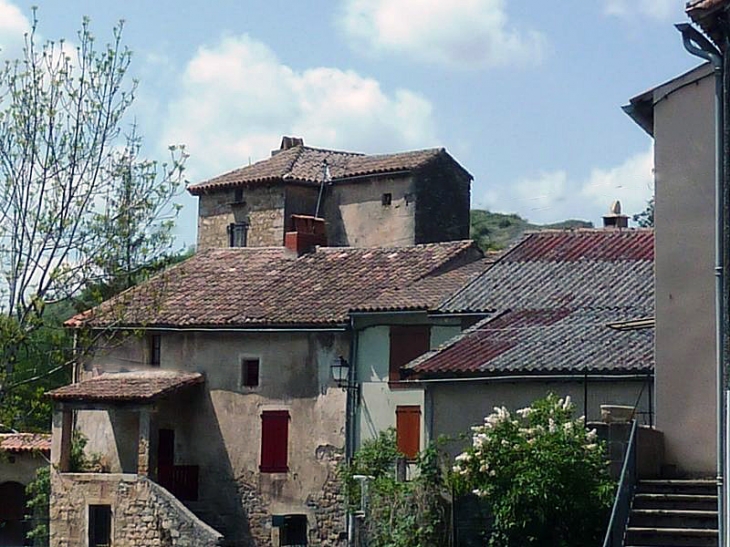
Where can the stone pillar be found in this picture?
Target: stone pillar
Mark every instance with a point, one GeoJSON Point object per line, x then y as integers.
{"type": "Point", "coordinates": [143, 446]}
{"type": "Point", "coordinates": [61, 440]}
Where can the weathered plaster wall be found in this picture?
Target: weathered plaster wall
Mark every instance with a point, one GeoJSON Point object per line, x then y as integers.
{"type": "Point", "coordinates": [453, 407]}
{"type": "Point", "coordinates": [143, 513]}
{"type": "Point", "coordinates": [377, 409]}
{"type": "Point", "coordinates": [684, 235]}
{"type": "Point", "coordinates": [219, 428]}
{"type": "Point", "coordinates": [442, 203]}
{"type": "Point", "coordinates": [263, 210]}
{"type": "Point", "coordinates": [20, 467]}
{"type": "Point", "coordinates": [356, 216]}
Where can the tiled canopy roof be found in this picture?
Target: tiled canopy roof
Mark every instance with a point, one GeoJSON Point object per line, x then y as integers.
{"type": "Point", "coordinates": [306, 165]}
{"type": "Point", "coordinates": [243, 287]}
{"type": "Point", "coordinates": [127, 386]}
{"type": "Point", "coordinates": [25, 442]}
{"type": "Point", "coordinates": [552, 298]}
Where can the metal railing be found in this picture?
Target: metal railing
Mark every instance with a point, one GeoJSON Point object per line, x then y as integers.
{"type": "Point", "coordinates": [180, 480]}
{"type": "Point", "coordinates": [624, 494]}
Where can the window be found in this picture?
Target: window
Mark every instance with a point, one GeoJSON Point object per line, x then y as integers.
{"type": "Point", "coordinates": [155, 349]}
{"type": "Point", "coordinates": [408, 430]}
{"type": "Point", "coordinates": [238, 195]}
{"type": "Point", "coordinates": [406, 343]}
{"type": "Point", "coordinates": [237, 233]}
{"type": "Point", "coordinates": [250, 372]}
{"type": "Point", "coordinates": [274, 441]}
{"type": "Point", "coordinates": [386, 199]}
{"type": "Point", "coordinates": [100, 525]}
{"type": "Point", "coordinates": [292, 530]}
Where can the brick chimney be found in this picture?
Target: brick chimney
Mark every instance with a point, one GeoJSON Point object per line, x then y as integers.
{"type": "Point", "coordinates": [306, 233]}
{"type": "Point", "coordinates": [287, 143]}
{"type": "Point", "coordinates": [614, 218]}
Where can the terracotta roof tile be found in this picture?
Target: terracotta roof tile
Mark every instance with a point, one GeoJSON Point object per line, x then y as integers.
{"type": "Point", "coordinates": [25, 442]}
{"type": "Point", "coordinates": [303, 164]}
{"type": "Point", "coordinates": [552, 298]}
{"type": "Point", "coordinates": [266, 287]}
{"type": "Point", "coordinates": [127, 386]}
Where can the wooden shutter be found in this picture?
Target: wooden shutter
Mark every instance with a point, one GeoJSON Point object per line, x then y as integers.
{"type": "Point", "coordinates": [274, 441]}
{"type": "Point", "coordinates": [408, 430]}
{"type": "Point", "coordinates": [407, 343]}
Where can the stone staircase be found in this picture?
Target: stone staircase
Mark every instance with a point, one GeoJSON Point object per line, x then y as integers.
{"type": "Point", "coordinates": [671, 513]}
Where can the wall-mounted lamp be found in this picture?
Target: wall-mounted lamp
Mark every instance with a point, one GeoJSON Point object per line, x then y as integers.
{"type": "Point", "coordinates": [341, 372]}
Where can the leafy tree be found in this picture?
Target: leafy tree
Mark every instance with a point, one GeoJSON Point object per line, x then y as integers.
{"type": "Point", "coordinates": [543, 473]}
{"type": "Point", "coordinates": [645, 219]}
{"type": "Point", "coordinates": [79, 207]}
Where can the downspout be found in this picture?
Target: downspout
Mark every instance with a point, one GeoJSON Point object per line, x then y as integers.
{"type": "Point", "coordinates": [352, 402]}
{"type": "Point", "coordinates": [699, 46]}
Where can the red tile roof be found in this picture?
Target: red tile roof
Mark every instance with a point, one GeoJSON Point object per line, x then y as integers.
{"type": "Point", "coordinates": [127, 386]}
{"type": "Point", "coordinates": [709, 16]}
{"type": "Point", "coordinates": [552, 298]}
{"type": "Point", "coordinates": [25, 442]}
{"type": "Point", "coordinates": [303, 164]}
{"type": "Point", "coordinates": [243, 287]}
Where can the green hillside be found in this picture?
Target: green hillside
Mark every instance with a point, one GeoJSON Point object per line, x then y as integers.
{"type": "Point", "coordinates": [494, 231]}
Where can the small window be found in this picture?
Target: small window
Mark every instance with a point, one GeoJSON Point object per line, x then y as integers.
{"type": "Point", "coordinates": [386, 199]}
{"type": "Point", "coordinates": [408, 430]}
{"type": "Point", "coordinates": [100, 525]}
{"type": "Point", "coordinates": [237, 234]}
{"type": "Point", "coordinates": [274, 441]}
{"type": "Point", "coordinates": [250, 372]}
{"type": "Point", "coordinates": [238, 195]}
{"type": "Point", "coordinates": [155, 349]}
{"type": "Point", "coordinates": [293, 531]}
{"type": "Point", "coordinates": [406, 343]}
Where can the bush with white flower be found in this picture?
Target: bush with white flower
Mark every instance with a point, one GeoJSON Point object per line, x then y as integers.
{"type": "Point", "coordinates": [543, 473]}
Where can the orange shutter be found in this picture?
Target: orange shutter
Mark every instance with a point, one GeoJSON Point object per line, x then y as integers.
{"type": "Point", "coordinates": [408, 430]}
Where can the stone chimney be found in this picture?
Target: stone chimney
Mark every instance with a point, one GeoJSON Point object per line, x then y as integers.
{"type": "Point", "coordinates": [614, 218]}
{"type": "Point", "coordinates": [306, 233]}
{"type": "Point", "coordinates": [287, 143]}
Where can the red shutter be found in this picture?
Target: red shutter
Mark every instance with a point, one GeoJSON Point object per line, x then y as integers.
{"type": "Point", "coordinates": [407, 343]}
{"type": "Point", "coordinates": [408, 430]}
{"type": "Point", "coordinates": [274, 441]}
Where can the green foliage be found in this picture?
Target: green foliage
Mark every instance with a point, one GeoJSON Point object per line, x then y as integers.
{"type": "Point", "coordinates": [543, 473]}
{"type": "Point", "coordinates": [399, 514]}
{"type": "Point", "coordinates": [645, 219]}
{"type": "Point", "coordinates": [494, 231]}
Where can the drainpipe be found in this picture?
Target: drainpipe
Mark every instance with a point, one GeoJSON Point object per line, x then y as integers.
{"type": "Point", "coordinates": [353, 401]}
{"type": "Point", "coordinates": [699, 46]}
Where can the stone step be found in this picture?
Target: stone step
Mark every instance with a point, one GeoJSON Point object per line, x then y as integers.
{"type": "Point", "coordinates": [691, 502]}
{"type": "Point", "coordinates": [706, 487]}
{"type": "Point", "coordinates": [637, 536]}
{"type": "Point", "coordinates": [673, 518]}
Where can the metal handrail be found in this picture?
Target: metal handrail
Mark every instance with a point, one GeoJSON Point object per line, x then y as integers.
{"type": "Point", "coordinates": [624, 494]}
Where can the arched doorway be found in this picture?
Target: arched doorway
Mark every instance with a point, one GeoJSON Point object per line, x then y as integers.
{"type": "Point", "coordinates": [12, 513]}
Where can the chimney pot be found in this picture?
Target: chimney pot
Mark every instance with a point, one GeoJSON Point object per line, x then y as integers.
{"type": "Point", "coordinates": [614, 218]}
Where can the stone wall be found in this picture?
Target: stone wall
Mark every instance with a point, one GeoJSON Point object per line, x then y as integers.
{"type": "Point", "coordinates": [143, 513]}
{"type": "Point", "coordinates": [261, 207]}
{"type": "Point", "coordinates": [443, 193]}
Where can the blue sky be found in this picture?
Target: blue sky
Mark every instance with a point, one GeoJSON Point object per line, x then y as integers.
{"type": "Point", "coordinates": [525, 94]}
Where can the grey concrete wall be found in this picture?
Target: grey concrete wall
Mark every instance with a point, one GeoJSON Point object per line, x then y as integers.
{"type": "Point", "coordinates": [20, 467]}
{"type": "Point", "coordinates": [684, 221]}
{"type": "Point", "coordinates": [143, 513]}
{"type": "Point", "coordinates": [453, 408]}
{"type": "Point", "coordinates": [356, 216]}
{"type": "Point", "coordinates": [219, 427]}
{"type": "Point", "coordinates": [263, 210]}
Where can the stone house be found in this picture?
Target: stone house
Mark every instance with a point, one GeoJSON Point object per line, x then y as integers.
{"type": "Point", "coordinates": [559, 308]}
{"type": "Point", "coordinates": [21, 455]}
{"type": "Point", "coordinates": [397, 199]}
{"type": "Point", "coordinates": [212, 402]}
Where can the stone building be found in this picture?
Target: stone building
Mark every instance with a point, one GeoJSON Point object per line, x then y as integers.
{"type": "Point", "coordinates": [211, 398]}
{"type": "Point", "coordinates": [366, 200]}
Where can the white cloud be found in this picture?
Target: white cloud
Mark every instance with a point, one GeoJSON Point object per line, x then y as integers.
{"type": "Point", "coordinates": [462, 34]}
{"type": "Point", "coordinates": [556, 196]}
{"type": "Point", "coordinates": [13, 25]}
{"type": "Point", "coordinates": [236, 100]}
{"type": "Point", "coordinates": [660, 10]}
